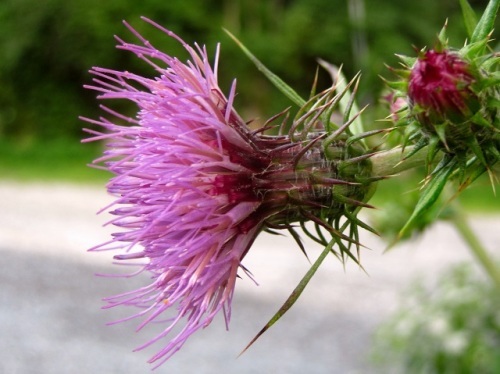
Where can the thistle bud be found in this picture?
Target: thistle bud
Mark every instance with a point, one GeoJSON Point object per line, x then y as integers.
{"type": "Point", "coordinates": [440, 93]}
{"type": "Point", "coordinates": [453, 108]}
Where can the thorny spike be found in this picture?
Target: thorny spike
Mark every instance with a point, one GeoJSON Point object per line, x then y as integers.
{"type": "Point", "coordinates": [355, 220]}
{"type": "Point", "coordinates": [331, 181]}
{"type": "Point", "coordinates": [350, 103]}
{"type": "Point", "coordinates": [315, 83]}
{"type": "Point", "coordinates": [297, 239]}
{"type": "Point", "coordinates": [320, 233]}
{"type": "Point", "coordinates": [314, 112]}
{"type": "Point", "coordinates": [333, 136]}
{"type": "Point", "coordinates": [305, 149]}
{"type": "Point", "coordinates": [355, 160]}
{"type": "Point", "coordinates": [352, 202]}
{"type": "Point", "coordinates": [355, 138]}
{"type": "Point", "coordinates": [310, 235]}
{"type": "Point", "coordinates": [335, 233]}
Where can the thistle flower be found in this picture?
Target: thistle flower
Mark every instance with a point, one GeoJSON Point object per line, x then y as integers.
{"type": "Point", "coordinates": [195, 185]}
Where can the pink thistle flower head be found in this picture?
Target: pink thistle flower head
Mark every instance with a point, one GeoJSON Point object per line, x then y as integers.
{"type": "Point", "coordinates": [194, 185]}
{"type": "Point", "coordinates": [440, 88]}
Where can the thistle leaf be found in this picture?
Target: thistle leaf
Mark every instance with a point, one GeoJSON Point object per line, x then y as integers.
{"type": "Point", "coordinates": [273, 78]}
{"type": "Point", "coordinates": [477, 171]}
{"type": "Point", "coordinates": [295, 293]}
{"type": "Point", "coordinates": [442, 38]}
{"type": "Point", "coordinates": [470, 18]}
{"type": "Point", "coordinates": [408, 61]}
{"type": "Point", "coordinates": [429, 195]}
{"type": "Point", "coordinates": [396, 85]}
{"type": "Point", "coordinates": [486, 22]}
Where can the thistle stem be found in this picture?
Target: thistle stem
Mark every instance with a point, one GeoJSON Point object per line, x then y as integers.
{"type": "Point", "coordinates": [477, 249]}
{"type": "Point", "coordinates": [392, 162]}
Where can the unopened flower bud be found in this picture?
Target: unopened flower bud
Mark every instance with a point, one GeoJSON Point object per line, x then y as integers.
{"type": "Point", "coordinates": [439, 89]}
{"type": "Point", "coordinates": [396, 105]}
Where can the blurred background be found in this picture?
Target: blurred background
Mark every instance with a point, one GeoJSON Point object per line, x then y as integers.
{"type": "Point", "coordinates": [50, 317]}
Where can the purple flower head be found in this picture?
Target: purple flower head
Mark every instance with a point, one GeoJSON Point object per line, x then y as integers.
{"type": "Point", "coordinates": [194, 186]}
{"type": "Point", "coordinates": [181, 181]}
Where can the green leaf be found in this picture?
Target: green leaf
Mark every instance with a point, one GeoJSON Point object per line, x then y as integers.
{"type": "Point", "coordinates": [487, 22]}
{"type": "Point", "coordinates": [273, 78]}
{"type": "Point", "coordinates": [470, 18]}
{"type": "Point", "coordinates": [429, 195]}
{"type": "Point", "coordinates": [295, 293]}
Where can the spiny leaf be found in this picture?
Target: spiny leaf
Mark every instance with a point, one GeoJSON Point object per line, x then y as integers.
{"type": "Point", "coordinates": [396, 85]}
{"type": "Point", "coordinates": [273, 78]}
{"type": "Point", "coordinates": [297, 239]}
{"type": "Point", "coordinates": [404, 72]}
{"type": "Point", "coordinates": [470, 18]}
{"type": "Point", "coordinates": [477, 171]}
{"type": "Point", "coordinates": [473, 50]}
{"type": "Point", "coordinates": [407, 60]}
{"type": "Point", "coordinates": [421, 143]}
{"type": "Point", "coordinates": [320, 234]}
{"type": "Point", "coordinates": [442, 38]}
{"type": "Point", "coordinates": [348, 104]}
{"type": "Point", "coordinates": [489, 63]}
{"type": "Point", "coordinates": [433, 150]}
{"type": "Point", "coordinates": [441, 133]}
{"type": "Point", "coordinates": [475, 147]}
{"type": "Point", "coordinates": [295, 293]}
{"type": "Point", "coordinates": [429, 195]}
{"type": "Point", "coordinates": [353, 139]}
{"type": "Point", "coordinates": [318, 239]}
{"type": "Point", "coordinates": [486, 22]}
{"type": "Point", "coordinates": [355, 221]}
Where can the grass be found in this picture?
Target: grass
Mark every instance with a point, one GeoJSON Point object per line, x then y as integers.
{"type": "Point", "coordinates": [60, 159]}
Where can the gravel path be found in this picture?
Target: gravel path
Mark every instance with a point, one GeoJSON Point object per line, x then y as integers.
{"type": "Point", "coordinates": [51, 319]}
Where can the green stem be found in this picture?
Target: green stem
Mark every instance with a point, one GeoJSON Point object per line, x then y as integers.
{"type": "Point", "coordinates": [392, 162]}
{"type": "Point", "coordinates": [476, 247]}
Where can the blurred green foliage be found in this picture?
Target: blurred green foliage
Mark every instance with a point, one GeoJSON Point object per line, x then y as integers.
{"type": "Point", "coordinates": [48, 46]}
{"type": "Point", "coordinates": [450, 328]}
